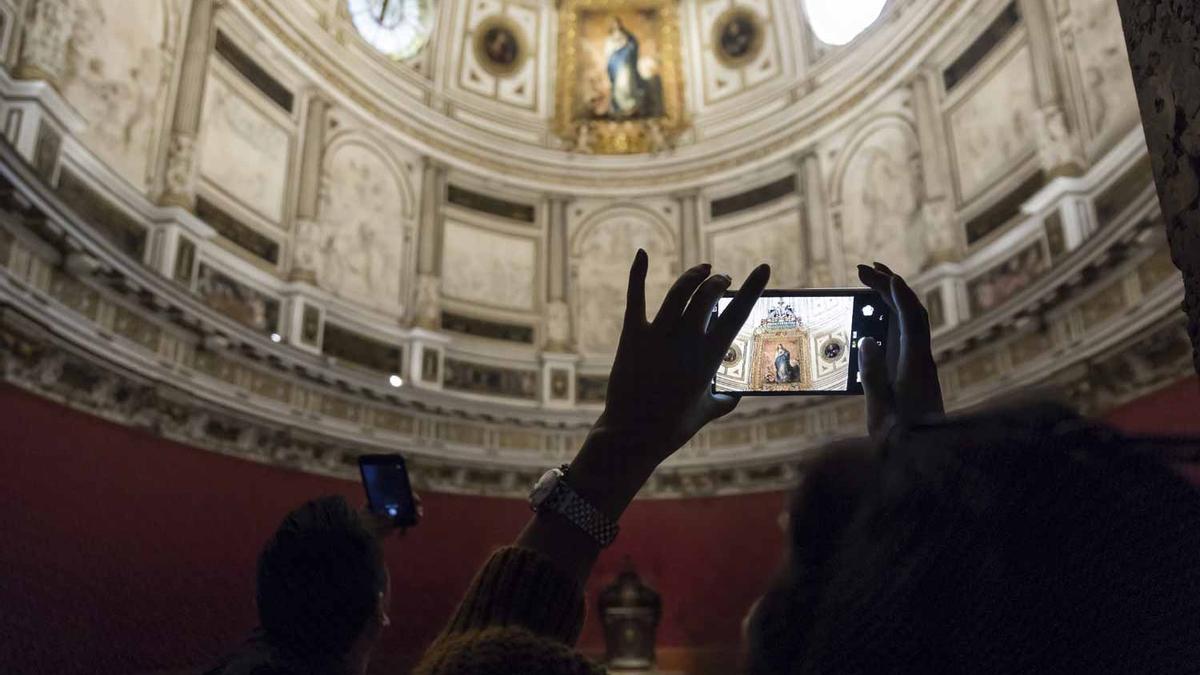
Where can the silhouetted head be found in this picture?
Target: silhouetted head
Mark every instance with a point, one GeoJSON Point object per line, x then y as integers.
{"type": "Point", "coordinates": [322, 583]}
{"type": "Point", "coordinates": [1020, 541]}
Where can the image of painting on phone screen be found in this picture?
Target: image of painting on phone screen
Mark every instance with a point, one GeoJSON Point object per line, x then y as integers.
{"type": "Point", "coordinates": [798, 344]}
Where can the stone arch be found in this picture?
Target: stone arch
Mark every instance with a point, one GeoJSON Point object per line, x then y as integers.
{"type": "Point", "coordinates": [876, 193]}
{"type": "Point", "coordinates": [359, 246]}
{"type": "Point", "coordinates": [600, 253]}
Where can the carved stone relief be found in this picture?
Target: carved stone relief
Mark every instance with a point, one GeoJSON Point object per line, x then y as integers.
{"type": "Point", "coordinates": [993, 127]}
{"type": "Point", "coordinates": [601, 254]}
{"type": "Point", "coordinates": [47, 34]}
{"type": "Point", "coordinates": [492, 268]}
{"type": "Point", "coordinates": [256, 172]}
{"type": "Point", "coordinates": [356, 244]}
{"type": "Point", "coordinates": [880, 198]}
{"type": "Point", "coordinates": [1107, 83]}
{"type": "Point", "coordinates": [117, 72]}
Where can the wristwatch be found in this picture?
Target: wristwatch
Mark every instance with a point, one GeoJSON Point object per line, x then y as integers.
{"type": "Point", "coordinates": [552, 494]}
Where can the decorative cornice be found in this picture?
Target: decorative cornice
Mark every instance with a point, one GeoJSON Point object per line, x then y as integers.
{"type": "Point", "coordinates": [116, 339]}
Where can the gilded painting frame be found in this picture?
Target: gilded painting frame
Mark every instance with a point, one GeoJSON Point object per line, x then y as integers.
{"type": "Point", "coordinates": [588, 133]}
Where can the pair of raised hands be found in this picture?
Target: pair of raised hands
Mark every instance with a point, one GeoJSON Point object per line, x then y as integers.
{"type": "Point", "coordinates": [660, 389]}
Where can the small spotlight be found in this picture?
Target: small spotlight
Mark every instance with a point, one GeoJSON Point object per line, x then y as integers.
{"type": "Point", "coordinates": [395, 381]}
{"type": "Point", "coordinates": [276, 337]}
{"type": "Point", "coordinates": [868, 310]}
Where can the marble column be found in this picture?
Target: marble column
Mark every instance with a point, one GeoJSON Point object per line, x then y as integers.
{"type": "Point", "coordinates": [558, 336]}
{"type": "Point", "coordinates": [1059, 147]}
{"type": "Point", "coordinates": [45, 40]}
{"type": "Point", "coordinates": [823, 269]}
{"type": "Point", "coordinates": [1161, 38]}
{"type": "Point", "coordinates": [180, 188]}
{"type": "Point", "coordinates": [429, 246]}
{"type": "Point", "coordinates": [310, 191]}
{"type": "Point", "coordinates": [941, 236]}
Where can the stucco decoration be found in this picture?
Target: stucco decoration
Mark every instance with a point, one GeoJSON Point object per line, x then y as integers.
{"type": "Point", "coordinates": [492, 268]}
{"type": "Point", "coordinates": [1108, 85]}
{"type": "Point", "coordinates": [117, 73]}
{"type": "Point", "coordinates": [256, 174]}
{"type": "Point", "coordinates": [993, 129]}
{"type": "Point", "coordinates": [356, 245]}
{"type": "Point", "coordinates": [601, 253]}
{"type": "Point", "coordinates": [878, 194]}
{"type": "Point", "coordinates": [775, 240]}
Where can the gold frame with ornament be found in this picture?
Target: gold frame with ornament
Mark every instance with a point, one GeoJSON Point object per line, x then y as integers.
{"type": "Point", "coordinates": [611, 137]}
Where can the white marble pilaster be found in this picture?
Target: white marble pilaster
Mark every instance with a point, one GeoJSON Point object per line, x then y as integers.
{"type": "Point", "coordinates": [46, 36]}
{"type": "Point", "coordinates": [180, 187]}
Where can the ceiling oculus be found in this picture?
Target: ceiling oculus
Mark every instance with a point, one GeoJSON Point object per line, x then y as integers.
{"type": "Point", "coordinates": [398, 28]}
{"type": "Point", "coordinates": [837, 22]}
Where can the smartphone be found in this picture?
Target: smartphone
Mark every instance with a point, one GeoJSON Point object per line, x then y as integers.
{"type": "Point", "coordinates": [389, 493]}
{"type": "Point", "coordinates": [801, 342]}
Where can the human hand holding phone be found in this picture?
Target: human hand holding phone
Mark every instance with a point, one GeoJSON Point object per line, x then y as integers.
{"type": "Point", "coordinates": [391, 503]}
{"type": "Point", "coordinates": [382, 526]}
{"type": "Point", "coordinates": [901, 382]}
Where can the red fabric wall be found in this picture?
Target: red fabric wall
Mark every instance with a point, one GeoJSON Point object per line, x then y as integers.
{"type": "Point", "coordinates": [124, 553]}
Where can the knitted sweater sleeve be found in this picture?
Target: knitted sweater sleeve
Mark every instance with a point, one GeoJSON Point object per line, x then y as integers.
{"type": "Point", "coordinates": [519, 603]}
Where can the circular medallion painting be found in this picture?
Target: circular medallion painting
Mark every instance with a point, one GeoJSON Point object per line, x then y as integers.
{"type": "Point", "coordinates": [738, 37]}
{"type": "Point", "coordinates": [500, 46]}
{"type": "Point", "coordinates": [733, 356]}
{"type": "Point", "coordinates": [832, 350]}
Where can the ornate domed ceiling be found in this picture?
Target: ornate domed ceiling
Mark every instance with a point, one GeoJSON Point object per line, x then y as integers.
{"type": "Point", "coordinates": [296, 230]}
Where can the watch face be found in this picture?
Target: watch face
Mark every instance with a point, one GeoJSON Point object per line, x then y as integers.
{"type": "Point", "coordinates": [544, 487]}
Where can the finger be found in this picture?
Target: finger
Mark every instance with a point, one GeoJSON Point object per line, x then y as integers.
{"type": "Point", "coordinates": [677, 298]}
{"type": "Point", "coordinates": [873, 369]}
{"type": "Point", "coordinates": [734, 316]}
{"type": "Point", "coordinates": [635, 299]}
{"type": "Point", "coordinates": [697, 314]}
{"type": "Point", "coordinates": [871, 277]}
{"type": "Point", "coordinates": [914, 320]}
{"type": "Point", "coordinates": [879, 282]}
{"type": "Point", "coordinates": [885, 269]}
{"type": "Point", "coordinates": [720, 405]}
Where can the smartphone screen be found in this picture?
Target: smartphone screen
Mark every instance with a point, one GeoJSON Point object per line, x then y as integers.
{"type": "Point", "coordinates": [801, 342]}
{"type": "Point", "coordinates": [389, 494]}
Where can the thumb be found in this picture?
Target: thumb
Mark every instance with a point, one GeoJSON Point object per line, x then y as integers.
{"type": "Point", "coordinates": [872, 367]}
{"type": "Point", "coordinates": [720, 405]}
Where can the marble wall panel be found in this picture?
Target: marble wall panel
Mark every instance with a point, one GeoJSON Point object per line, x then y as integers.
{"type": "Point", "coordinates": [775, 240]}
{"type": "Point", "coordinates": [601, 253]}
{"type": "Point", "coordinates": [492, 268]}
{"type": "Point", "coordinates": [244, 151]}
{"type": "Point", "coordinates": [880, 199]}
{"type": "Point", "coordinates": [992, 128]}
{"type": "Point", "coordinates": [118, 69]}
{"type": "Point", "coordinates": [1109, 98]}
{"type": "Point", "coordinates": [356, 245]}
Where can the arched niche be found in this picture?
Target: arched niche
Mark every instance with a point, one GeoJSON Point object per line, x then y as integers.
{"type": "Point", "coordinates": [120, 60]}
{"type": "Point", "coordinates": [602, 250]}
{"type": "Point", "coordinates": [876, 196]}
{"type": "Point", "coordinates": [358, 245]}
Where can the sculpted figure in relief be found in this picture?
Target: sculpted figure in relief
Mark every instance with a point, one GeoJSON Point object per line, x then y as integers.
{"type": "Point", "coordinates": [558, 326]}
{"type": "Point", "coordinates": [116, 71]}
{"type": "Point", "coordinates": [881, 202]}
{"type": "Point", "coordinates": [601, 265]}
{"type": "Point", "coordinates": [355, 245]}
